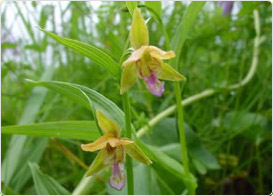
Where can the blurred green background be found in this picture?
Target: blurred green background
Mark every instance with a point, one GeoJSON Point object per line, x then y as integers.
{"type": "Point", "coordinates": [233, 128]}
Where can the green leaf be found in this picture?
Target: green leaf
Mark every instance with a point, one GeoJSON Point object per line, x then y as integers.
{"type": "Point", "coordinates": [131, 5]}
{"type": "Point", "coordinates": [166, 133]}
{"type": "Point", "coordinates": [86, 96]}
{"type": "Point", "coordinates": [168, 163]}
{"type": "Point", "coordinates": [92, 52]}
{"type": "Point", "coordinates": [155, 8]}
{"type": "Point", "coordinates": [22, 173]}
{"type": "Point", "coordinates": [184, 28]}
{"type": "Point", "coordinates": [44, 184]}
{"type": "Point", "coordinates": [18, 143]}
{"type": "Point", "coordinates": [83, 130]}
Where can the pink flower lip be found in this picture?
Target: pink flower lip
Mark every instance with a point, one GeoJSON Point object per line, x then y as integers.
{"type": "Point", "coordinates": [154, 85]}
{"type": "Point", "coordinates": [117, 180]}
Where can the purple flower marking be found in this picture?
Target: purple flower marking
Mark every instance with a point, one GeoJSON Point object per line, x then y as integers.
{"type": "Point", "coordinates": [117, 180]}
{"type": "Point", "coordinates": [227, 6]}
{"type": "Point", "coordinates": [154, 85]}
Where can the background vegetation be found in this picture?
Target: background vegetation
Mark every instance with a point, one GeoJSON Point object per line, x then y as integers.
{"type": "Point", "coordinates": [229, 135]}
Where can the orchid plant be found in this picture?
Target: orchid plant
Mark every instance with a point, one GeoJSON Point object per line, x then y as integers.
{"type": "Point", "coordinates": [111, 131]}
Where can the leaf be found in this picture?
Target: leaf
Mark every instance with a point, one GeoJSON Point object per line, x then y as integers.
{"type": "Point", "coordinates": [165, 135]}
{"type": "Point", "coordinates": [44, 184]}
{"type": "Point", "coordinates": [22, 173]}
{"type": "Point", "coordinates": [86, 96]}
{"type": "Point", "coordinates": [131, 5]}
{"type": "Point", "coordinates": [155, 8]}
{"type": "Point", "coordinates": [184, 28]}
{"type": "Point", "coordinates": [83, 130]}
{"type": "Point", "coordinates": [92, 52]}
{"type": "Point", "coordinates": [198, 151]}
{"type": "Point", "coordinates": [17, 144]}
{"type": "Point", "coordinates": [168, 163]}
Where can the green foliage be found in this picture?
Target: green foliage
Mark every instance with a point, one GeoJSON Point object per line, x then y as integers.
{"type": "Point", "coordinates": [92, 52]}
{"type": "Point", "coordinates": [84, 130]}
{"type": "Point", "coordinates": [229, 134]}
{"type": "Point", "coordinates": [44, 184]}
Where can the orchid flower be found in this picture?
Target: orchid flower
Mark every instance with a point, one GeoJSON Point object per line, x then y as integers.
{"type": "Point", "coordinates": [113, 151]}
{"type": "Point", "coordinates": [146, 62]}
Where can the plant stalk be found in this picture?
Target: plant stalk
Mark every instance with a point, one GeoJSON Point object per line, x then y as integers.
{"type": "Point", "coordinates": [182, 136]}
{"type": "Point", "coordinates": [129, 162]}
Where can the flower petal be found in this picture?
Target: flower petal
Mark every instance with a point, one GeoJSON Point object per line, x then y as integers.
{"type": "Point", "coordinates": [135, 56]}
{"type": "Point", "coordinates": [139, 35]}
{"type": "Point", "coordinates": [154, 85]}
{"type": "Point", "coordinates": [135, 152]}
{"type": "Point", "coordinates": [161, 54]}
{"type": "Point", "coordinates": [96, 145]}
{"type": "Point", "coordinates": [169, 73]}
{"type": "Point", "coordinates": [107, 125]}
{"type": "Point", "coordinates": [117, 180]}
{"type": "Point", "coordinates": [98, 164]}
{"type": "Point", "coordinates": [125, 141]}
{"type": "Point", "coordinates": [128, 77]}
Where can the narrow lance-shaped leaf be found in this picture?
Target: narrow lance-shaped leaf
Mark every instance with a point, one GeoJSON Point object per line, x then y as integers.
{"type": "Point", "coordinates": [84, 95]}
{"type": "Point", "coordinates": [82, 130]}
{"type": "Point", "coordinates": [17, 143]}
{"type": "Point", "coordinates": [44, 184]}
{"type": "Point", "coordinates": [184, 28]}
{"type": "Point", "coordinates": [92, 52]}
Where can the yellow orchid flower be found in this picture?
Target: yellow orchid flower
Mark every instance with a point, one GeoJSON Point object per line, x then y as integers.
{"type": "Point", "coordinates": [146, 62]}
{"type": "Point", "coordinates": [113, 151]}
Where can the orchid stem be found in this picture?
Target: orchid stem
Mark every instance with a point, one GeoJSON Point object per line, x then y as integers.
{"type": "Point", "coordinates": [182, 136]}
{"type": "Point", "coordinates": [129, 162]}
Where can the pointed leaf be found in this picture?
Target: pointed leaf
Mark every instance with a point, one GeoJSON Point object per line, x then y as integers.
{"type": "Point", "coordinates": [139, 35]}
{"type": "Point", "coordinates": [171, 165]}
{"type": "Point", "coordinates": [184, 28]}
{"type": "Point", "coordinates": [92, 52]}
{"type": "Point", "coordinates": [44, 184]}
{"type": "Point", "coordinates": [85, 96]}
{"type": "Point", "coordinates": [18, 143]}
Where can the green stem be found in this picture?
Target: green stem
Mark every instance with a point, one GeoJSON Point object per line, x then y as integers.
{"type": "Point", "coordinates": [129, 162]}
{"type": "Point", "coordinates": [182, 136]}
{"type": "Point", "coordinates": [180, 119]}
